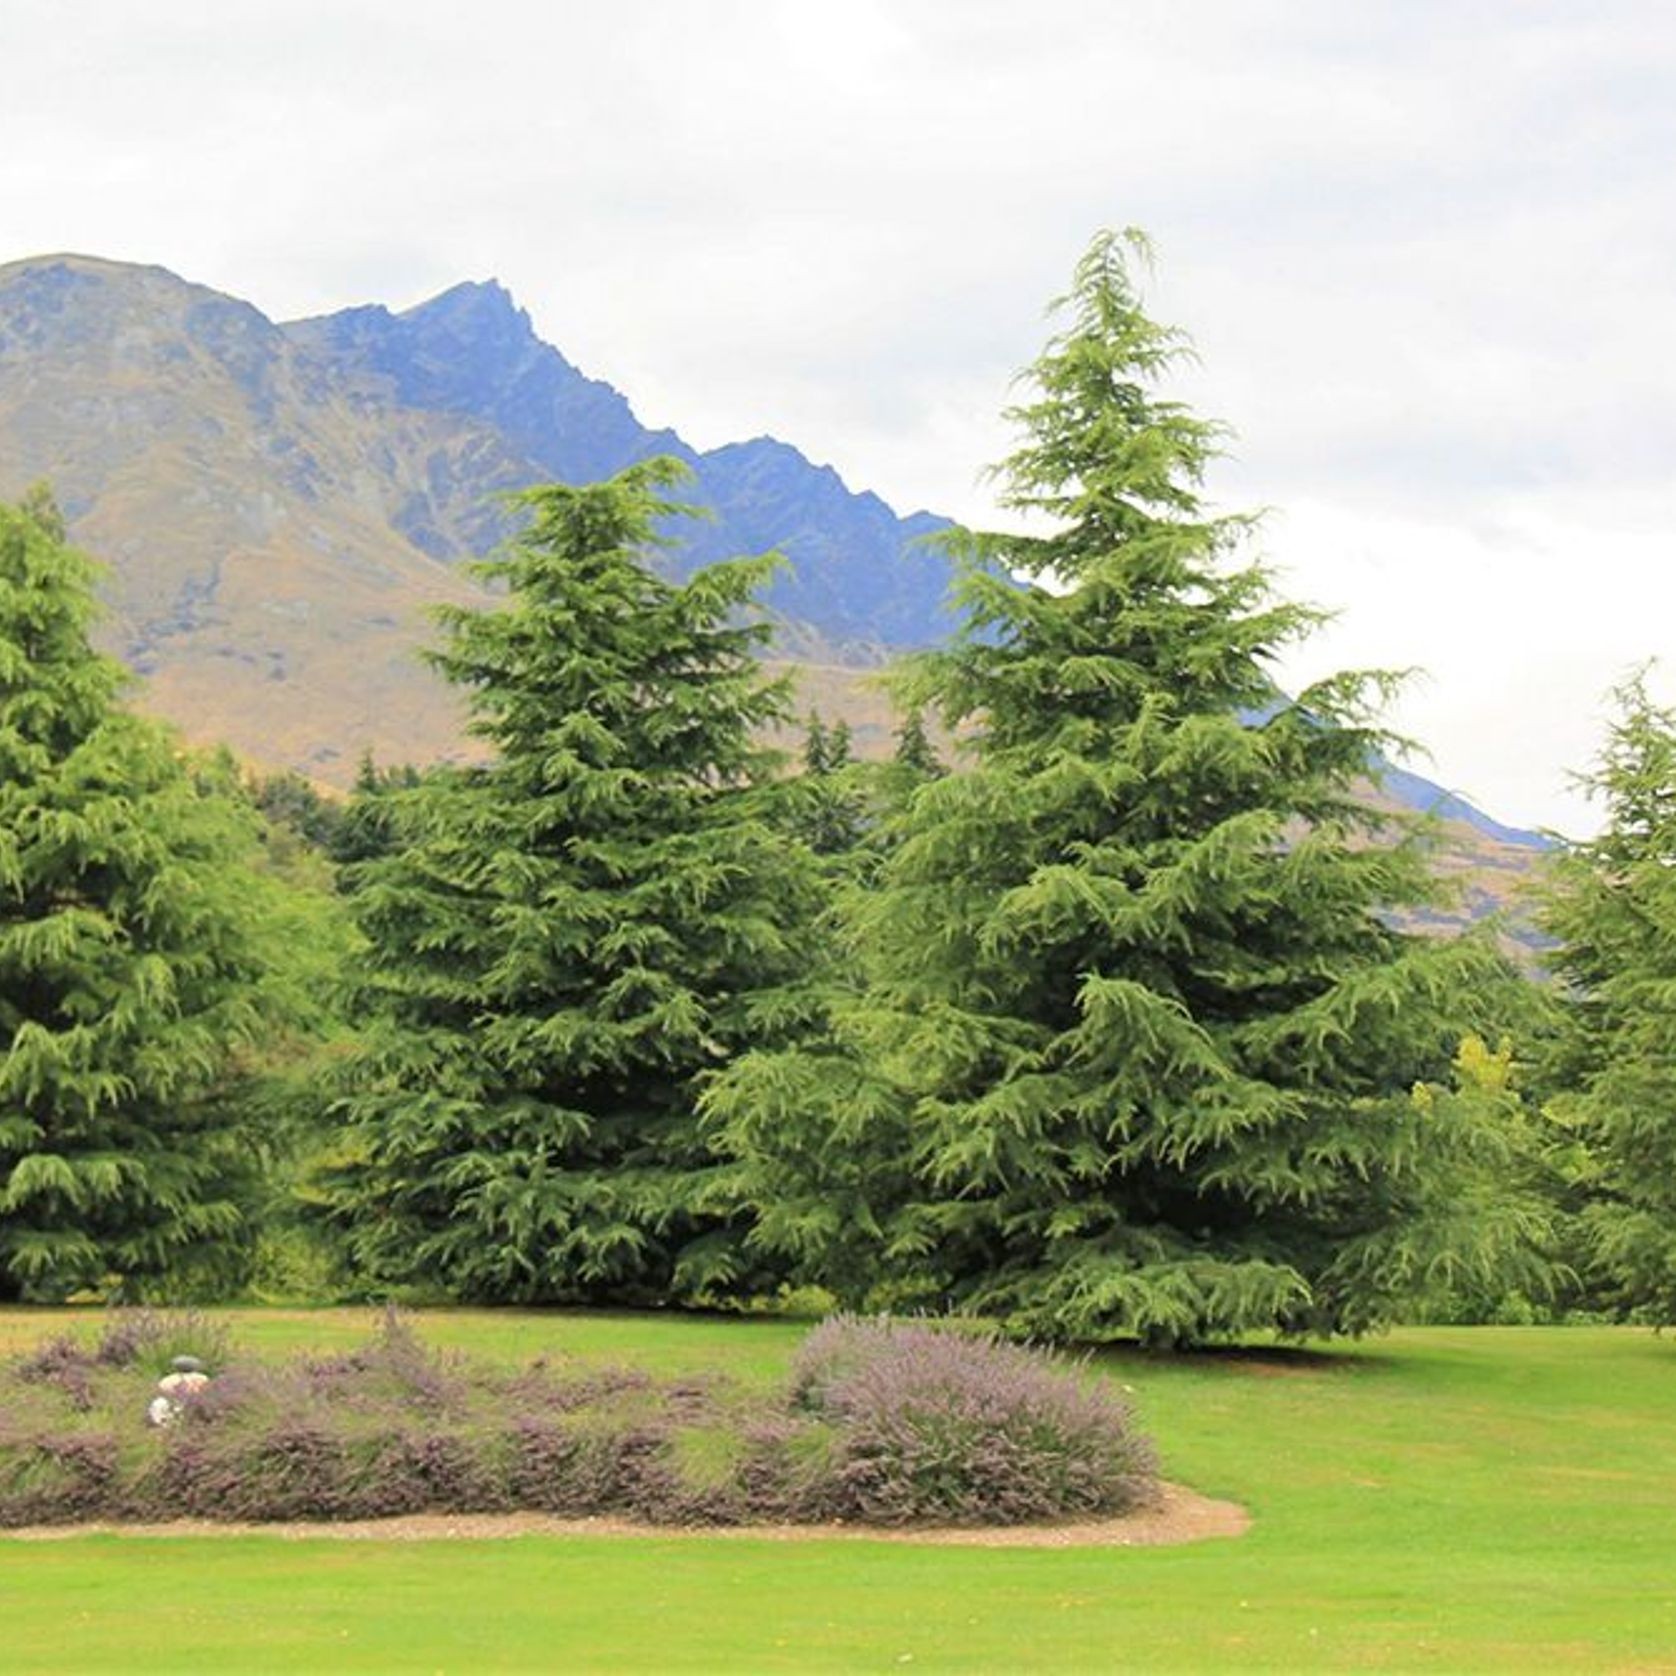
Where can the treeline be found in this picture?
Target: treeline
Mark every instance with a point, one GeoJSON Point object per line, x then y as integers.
{"type": "Point", "coordinates": [1105, 1026]}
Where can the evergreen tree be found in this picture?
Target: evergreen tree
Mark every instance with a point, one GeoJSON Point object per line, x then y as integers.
{"type": "Point", "coordinates": [915, 756]}
{"type": "Point", "coordinates": [366, 827]}
{"type": "Point", "coordinates": [1136, 1043]}
{"type": "Point", "coordinates": [127, 961]}
{"type": "Point", "coordinates": [1613, 910]}
{"type": "Point", "coordinates": [826, 808]}
{"type": "Point", "coordinates": [817, 746]}
{"type": "Point", "coordinates": [290, 802]}
{"type": "Point", "coordinates": [574, 934]}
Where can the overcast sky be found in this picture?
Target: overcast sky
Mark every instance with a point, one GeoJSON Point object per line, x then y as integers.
{"type": "Point", "coordinates": [1426, 251]}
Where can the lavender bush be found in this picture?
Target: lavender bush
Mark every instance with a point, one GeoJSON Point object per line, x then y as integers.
{"type": "Point", "coordinates": [884, 1423]}
{"type": "Point", "coordinates": [937, 1425]}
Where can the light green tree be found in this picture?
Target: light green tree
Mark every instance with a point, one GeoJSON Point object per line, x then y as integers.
{"type": "Point", "coordinates": [1613, 909]}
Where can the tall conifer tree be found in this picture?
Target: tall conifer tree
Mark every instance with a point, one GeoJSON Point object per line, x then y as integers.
{"type": "Point", "coordinates": [915, 756]}
{"type": "Point", "coordinates": [1136, 1041]}
{"type": "Point", "coordinates": [1614, 911]}
{"type": "Point", "coordinates": [127, 962]}
{"type": "Point", "coordinates": [576, 932]}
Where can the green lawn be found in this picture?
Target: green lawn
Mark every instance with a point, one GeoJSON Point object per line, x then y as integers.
{"type": "Point", "coordinates": [1442, 1499]}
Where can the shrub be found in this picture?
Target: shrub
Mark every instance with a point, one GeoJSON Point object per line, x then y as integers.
{"type": "Point", "coordinates": [884, 1423]}
{"type": "Point", "coordinates": [932, 1424]}
{"type": "Point", "coordinates": [151, 1339]}
{"type": "Point", "coordinates": [63, 1364]}
{"type": "Point", "coordinates": [58, 1476]}
{"type": "Point", "coordinates": [141, 1339]}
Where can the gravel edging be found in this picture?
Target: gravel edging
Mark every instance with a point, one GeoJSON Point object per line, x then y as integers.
{"type": "Point", "coordinates": [1179, 1515]}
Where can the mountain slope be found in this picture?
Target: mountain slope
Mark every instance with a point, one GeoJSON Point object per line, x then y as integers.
{"type": "Point", "coordinates": [859, 576]}
{"type": "Point", "coordinates": [243, 505]}
{"type": "Point", "coordinates": [279, 505]}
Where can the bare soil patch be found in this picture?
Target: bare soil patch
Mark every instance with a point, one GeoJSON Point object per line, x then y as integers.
{"type": "Point", "coordinates": [1179, 1515]}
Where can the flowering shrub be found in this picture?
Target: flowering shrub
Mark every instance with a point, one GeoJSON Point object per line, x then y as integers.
{"type": "Point", "coordinates": [885, 1424]}
{"type": "Point", "coordinates": [933, 1424]}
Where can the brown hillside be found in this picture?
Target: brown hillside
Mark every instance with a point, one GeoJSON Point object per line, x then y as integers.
{"type": "Point", "coordinates": [243, 505]}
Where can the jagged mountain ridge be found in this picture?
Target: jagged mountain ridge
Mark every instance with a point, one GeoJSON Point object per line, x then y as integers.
{"type": "Point", "coordinates": [858, 573]}
{"type": "Point", "coordinates": [278, 504]}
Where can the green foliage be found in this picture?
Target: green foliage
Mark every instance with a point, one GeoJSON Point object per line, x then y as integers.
{"type": "Point", "coordinates": [572, 935]}
{"type": "Point", "coordinates": [279, 1099]}
{"type": "Point", "coordinates": [368, 825]}
{"type": "Point", "coordinates": [817, 746]}
{"type": "Point", "coordinates": [1613, 909]}
{"type": "Point", "coordinates": [827, 806]}
{"type": "Point", "coordinates": [915, 756]}
{"type": "Point", "coordinates": [128, 964]}
{"type": "Point", "coordinates": [295, 805]}
{"type": "Point", "coordinates": [1135, 1040]}
{"type": "Point", "coordinates": [1504, 1185]}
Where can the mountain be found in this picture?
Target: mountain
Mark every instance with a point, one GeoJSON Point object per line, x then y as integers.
{"type": "Point", "coordinates": [859, 575]}
{"type": "Point", "coordinates": [1415, 791]}
{"type": "Point", "coordinates": [279, 504]}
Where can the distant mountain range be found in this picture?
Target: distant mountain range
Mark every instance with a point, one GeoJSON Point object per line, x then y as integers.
{"type": "Point", "coordinates": [859, 578]}
{"type": "Point", "coordinates": [278, 504]}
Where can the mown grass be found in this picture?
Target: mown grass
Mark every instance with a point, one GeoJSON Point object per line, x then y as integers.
{"type": "Point", "coordinates": [1447, 1499]}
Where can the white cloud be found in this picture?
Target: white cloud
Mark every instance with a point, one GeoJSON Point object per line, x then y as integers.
{"type": "Point", "coordinates": [1426, 249]}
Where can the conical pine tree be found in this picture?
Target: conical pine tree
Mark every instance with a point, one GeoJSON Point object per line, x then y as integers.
{"type": "Point", "coordinates": [1136, 1041]}
{"type": "Point", "coordinates": [577, 932]}
{"type": "Point", "coordinates": [1613, 909]}
{"type": "Point", "coordinates": [915, 757]}
{"type": "Point", "coordinates": [127, 961]}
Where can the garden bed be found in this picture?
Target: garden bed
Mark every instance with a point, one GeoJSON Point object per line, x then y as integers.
{"type": "Point", "coordinates": [905, 1426]}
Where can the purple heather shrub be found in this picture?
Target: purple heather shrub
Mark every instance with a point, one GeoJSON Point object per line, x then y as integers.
{"type": "Point", "coordinates": [785, 1471]}
{"type": "Point", "coordinates": [574, 1469]}
{"type": "Point", "coordinates": [395, 1367]}
{"type": "Point", "coordinates": [542, 1389]}
{"type": "Point", "coordinates": [57, 1477]}
{"type": "Point", "coordinates": [296, 1469]}
{"type": "Point", "coordinates": [550, 1467]}
{"type": "Point", "coordinates": [937, 1425]}
{"type": "Point", "coordinates": [152, 1338]}
{"type": "Point", "coordinates": [63, 1364]}
{"type": "Point", "coordinates": [890, 1423]}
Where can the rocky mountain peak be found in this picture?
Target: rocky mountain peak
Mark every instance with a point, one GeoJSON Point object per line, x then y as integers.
{"type": "Point", "coordinates": [477, 316]}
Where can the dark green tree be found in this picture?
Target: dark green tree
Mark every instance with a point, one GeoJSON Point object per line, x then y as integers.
{"type": "Point", "coordinates": [574, 934]}
{"type": "Point", "coordinates": [294, 804]}
{"type": "Point", "coordinates": [128, 962]}
{"type": "Point", "coordinates": [915, 756]}
{"type": "Point", "coordinates": [367, 826]}
{"type": "Point", "coordinates": [1136, 1043]}
{"type": "Point", "coordinates": [827, 807]}
{"type": "Point", "coordinates": [1613, 909]}
{"type": "Point", "coordinates": [817, 746]}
